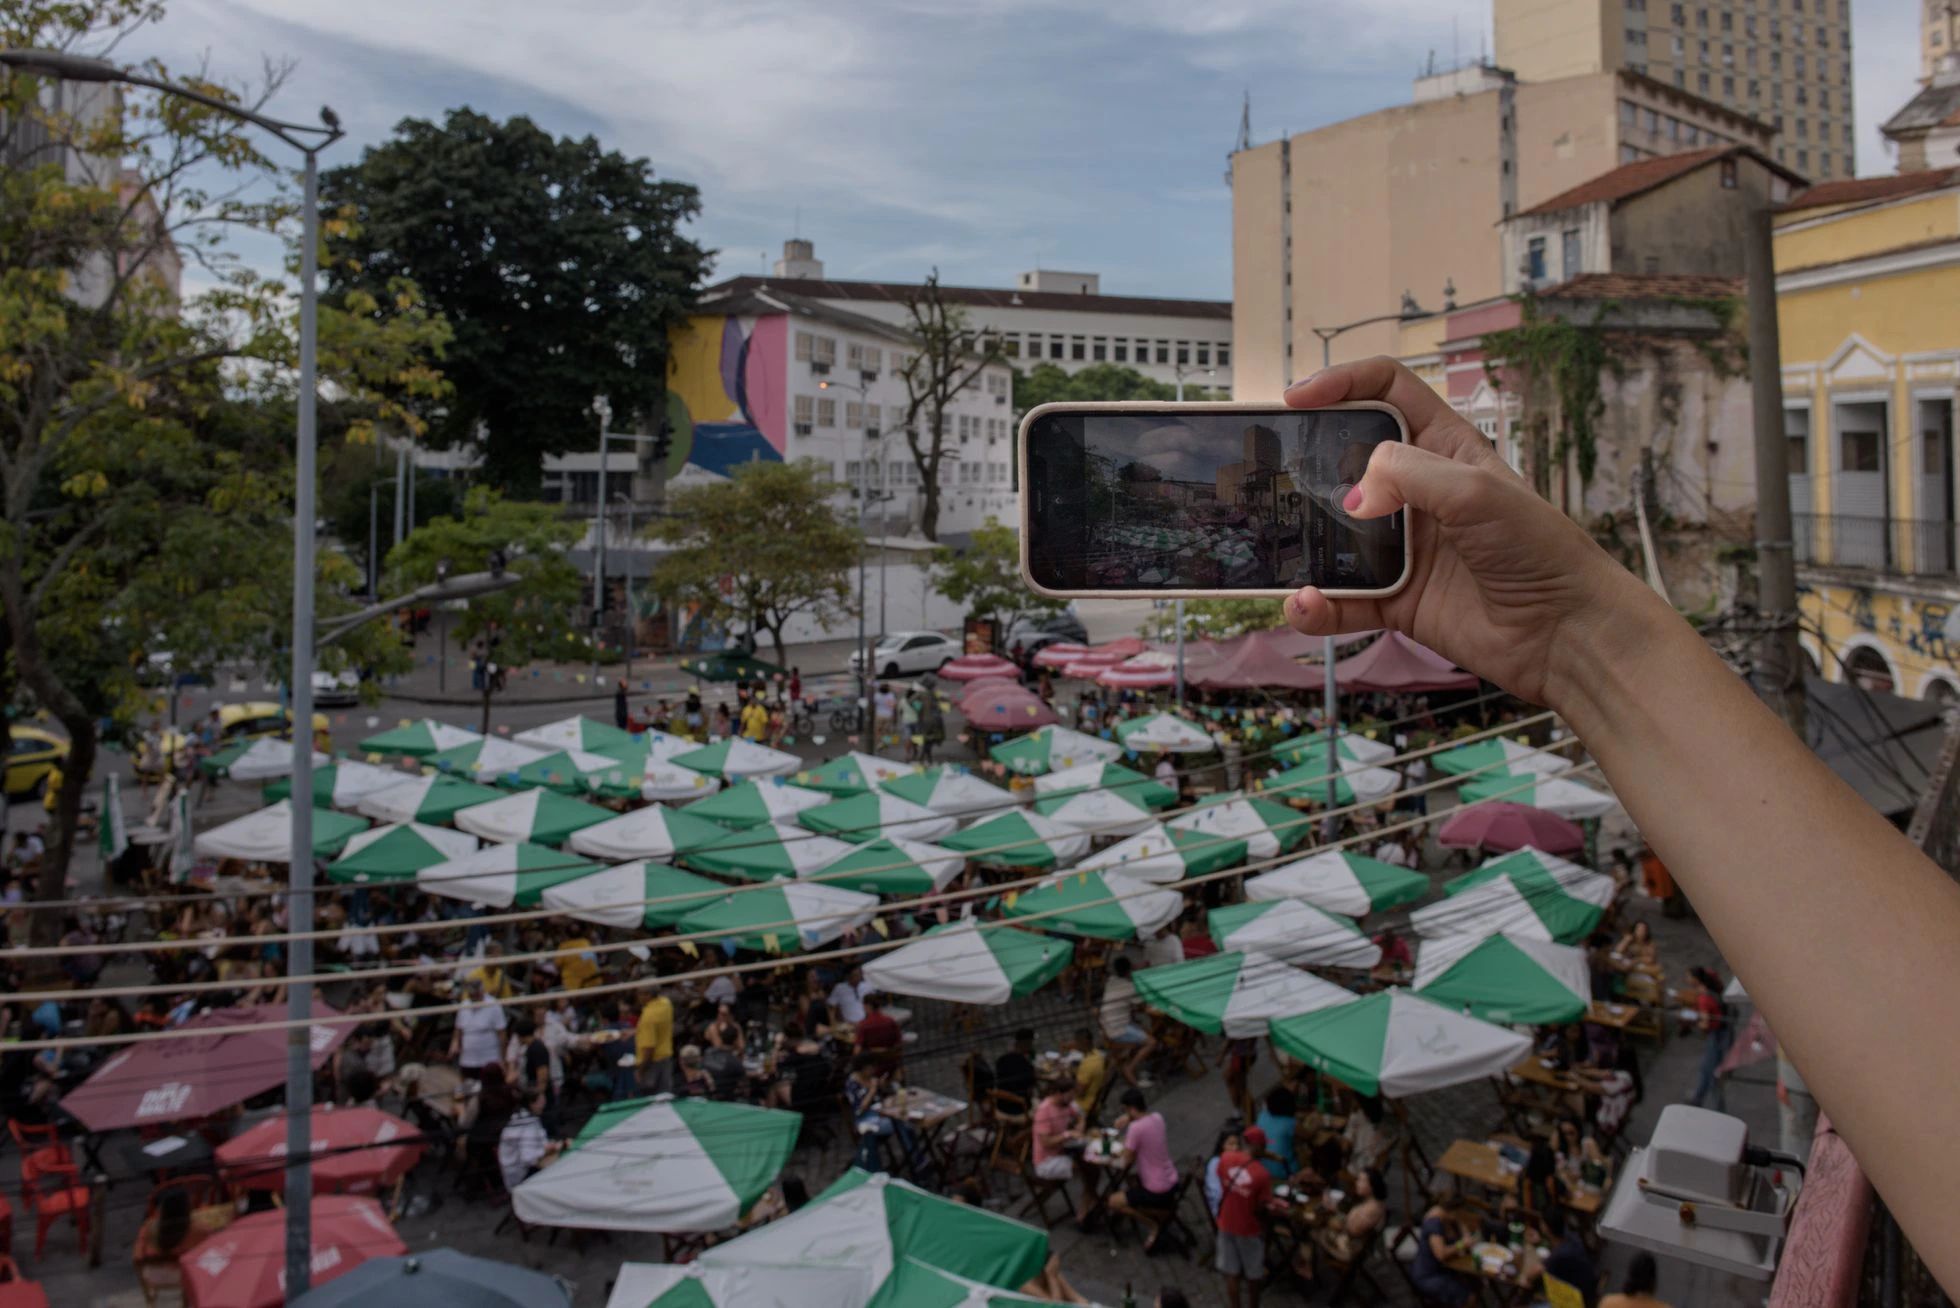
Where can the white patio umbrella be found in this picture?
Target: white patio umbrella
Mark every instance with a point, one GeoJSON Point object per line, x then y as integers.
{"type": "Point", "coordinates": [1164, 732]}
{"type": "Point", "coordinates": [1293, 931]}
{"type": "Point", "coordinates": [266, 759]}
{"type": "Point", "coordinates": [697, 1285]}
{"type": "Point", "coordinates": [963, 964]}
{"type": "Point", "coordinates": [1237, 994]}
{"type": "Point", "coordinates": [1394, 1043]}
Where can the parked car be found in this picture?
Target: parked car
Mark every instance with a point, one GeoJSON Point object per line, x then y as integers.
{"type": "Point", "coordinates": [258, 718]}
{"type": "Point", "coordinates": [336, 688]}
{"type": "Point", "coordinates": [904, 652]}
{"type": "Point", "coordinates": [1036, 631]}
{"type": "Point", "coordinates": [33, 755]}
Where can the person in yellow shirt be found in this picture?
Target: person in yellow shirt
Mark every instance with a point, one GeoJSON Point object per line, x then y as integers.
{"type": "Point", "coordinates": [1091, 1073]}
{"type": "Point", "coordinates": [491, 972]}
{"type": "Point", "coordinates": [578, 967]}
{"type": "Point", "coordinates": [653, 1046]}
{"type": "Point", "coordinates": [755, 720]}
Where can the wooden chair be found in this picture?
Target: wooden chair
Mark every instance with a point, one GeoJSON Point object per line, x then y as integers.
{"type": "Point", "coordinates": [1411, 1232]}
{"type": "Point", "coordinates": [1013, 1132]}
{"type": "Point", "coordinates": [1040, 1188]}
{"type": "Point", "coordinates": [1173, 1224]}
{"type": "Point", "coordinates": [1354, 1272]}
{"type": "Point", "coordinates": [158, 1273]}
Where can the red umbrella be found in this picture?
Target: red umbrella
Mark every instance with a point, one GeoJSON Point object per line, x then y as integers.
{"type": "Point", "coordinates": [970, 667]}
{"type": "Point", "coordinates": [983, 683]}
{"type": "Point", "coordinates": [1006, 708]}
{"type": "Point", "coordinates": [183, 1077]}
{"type": "Point", "coordinates": [1060, 654]}
{"type": "Point", "coordinates": [1150, 668]}
{"type": "Point", "coordinates": [244, 1265]}
{"type": "Point", "coordinates": [1395, 663]}
{"type": "Point", "coordinates": [355, 1151]}
{"type": "Point", "coordinates": [1505, 827]}
{"type": "Point", "coordinates": [1122, 647]}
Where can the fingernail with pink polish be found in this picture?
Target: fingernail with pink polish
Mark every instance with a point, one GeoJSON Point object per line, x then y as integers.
{"type": "Point", "coordinates": [1353, 500]}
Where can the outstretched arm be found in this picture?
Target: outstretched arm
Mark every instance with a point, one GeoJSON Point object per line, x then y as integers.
{"type": "Point", "coordinates": [1847, 937]}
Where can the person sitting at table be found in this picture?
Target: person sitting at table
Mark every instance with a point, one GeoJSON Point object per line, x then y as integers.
{"type": "Point", "coordinates": [1245, 1189]}
{"type": "Point", "coordinates": [1604, 971]}
{"type": "Point", "coordinates": [724, 1032]}
{"type": "Point", "coordinates": [877, 1033]}
{"type": "Point", "coordinates": [1119, 1023]}
{"type": "Point", "coordinates": [846, 999]}
{"type": "Point", "coordinates": [1539, 1188]}
{"type": "Point", "coordinates": [1091, 1073]}
{"type": "Point", "coordinates": [1396, 959]}
{"type": "Point", "coordinates": [1637, 1291]}
{"type": "Point", "coordinates": [523, 1147]}
{"type": "Point", "coordinates": [1149, 1195]}
{"type": "Point", "coordinates": [691, 1080]}
{"type": "Point", "coordinates": [1365, 1142]}
{"type": "Point", "coordinates": [864, 1089]}
{"type": "Point", "coordinates": [1014, 1070]}
{"type": "Point", "coordinates": [1057, 1121]}
{"type": "Point", "coordinates": [1568, 1260]}
{"type": "Point", "coordinates": [800, 1070]}
{"type": "Point", "coordinates": [1637, 945]}
{"type": "Point", "coordinates": [1276, 1124]}
{"type": "Point", "coordinates": [812, 1009]}
{"type": "Point", "coordinates": [1344, 1240]}
{"type": "Point", "coordinates": [1197, 937]}
{"type": "Point", "coordinates": [1439, 1240]}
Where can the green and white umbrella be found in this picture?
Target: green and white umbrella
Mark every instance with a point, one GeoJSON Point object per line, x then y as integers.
{"type": "Point", "coordinates": [768, 852]}
{"type": "Point", "coordinates": [697, 1285]}
{"type": "Point", "coordinates": [255, 760]}
{"type": "Point", "coordinates": [953, 791]}
{"type": "Point", "coordinates": [633, 895]}
{"type": "Point", "coordinates": [1139, 790]}
{"type": "Point", "coordinates": [1054, 749]}
{"type": "Point", "coordinates": [341, 783]}
{"type": "Point", "coordinates": [565, 771]}
{"type": "Point", "coordinates": [782, 917]}
{"type": "Point", "coordinates": [1105, 905]}
{"type": "Point", "coordinates": [1019, 839]}
{"type": "Point", "coordinates": [757, 803]}
{"type": "Point", "coordinates": [917, 1284]}
{"type": "Point", "coordinates": [1505, 978]}
{"type": "Point", "coordinates": [1268, 829]}
{"type": "Point", "coordinates": [874, 1223]}
{"type": "Point", "coordinates": [576, 733]}
{"type": "Point", "coordinates": [502, 876]}
{"type": "Point", "coordinates": [1357, 783]}
{"type": "Point", "coordinates": [112, 829]}
{"type": "Point", "coordinates": [874, 814]}
{"type": "Point", "coordinates": [1536, 868]}
{"type": "Point", "coordinates": [1096, 812]}
{"type": "Point", "coordinates": [661, 1164]}
{"type": "Point", "coordinates": [178, 852]}
{"type": "Point", "coordinates": [1505, 758]}
{"type": "Point", "coordinates": [1165, 732]}
{"type": "Point", "coordinates": [538, 815]}
{"type": "Point", "coordinates": [651, 832]}
{"type": "Point", "coordinates": [485, 759]}
{"type": "Point", "coordinates": [737, 760]}
{"type": "Point", "coordinates": [1293, 931]}
{"type": "Point", "coordinates": [894, 866]}
{"type": "Point", "coordinates": [962, 963]}
{"type": "Point", "coordinates": [644, 778]}
{"type": "Point", "coordinates": [1560, 795]}
{"type": "Point", "coordinates": [1394, 1043]}
{"type": "Point", "coordinates": [1234, 993]}
{"type": "Point", "coordinates": [418, 739]}
{"type": "Point", "coordinates": [1352, 746]}
{"type": "Point", "coordinates": [1166, 854]}
{"type": "Point", "coordinates": [397, 852]}
{"type": "Point", "coordinates": [1516, 903]}
{"type": "Point", "coordinates": [432, 799]}
{"type": "Point", "coordinates": [266, 835]}
{"type": "Point", "coordinates": [854, 774]}
{"type": "Point", "coordinates": [1341, 882]}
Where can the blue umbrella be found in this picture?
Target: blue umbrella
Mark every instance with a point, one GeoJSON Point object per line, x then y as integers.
{"type": "Point", "coordinates": [440, 1278]}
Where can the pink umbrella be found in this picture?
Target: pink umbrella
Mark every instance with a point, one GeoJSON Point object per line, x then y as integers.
{"type": "Point", "coordinates": [1060, 654]}
{"type": "Point", "coordinates": [1006, 708]}
{"type": "Point", "coordinates": [185, 1077]}
{"type": "Point", "coordinates": [1505, 827]}
{"type": "Point", "coordinates": [970, 667]}
{"type": "Point", "coordinates": [1150, 668]}
{"type": "Point", "coordinates": [1122, 647]}
{"type": "Point", "coordinates": [981, 683]}
{"type": "Point", "coordinates": [1395, 664]}
{"type": "Point", "coordinates": [1090, 666]}
{"type": "Point", "coordinates": [244, 1265]}
{"type": "Point", "coordinates": [355, 1151]}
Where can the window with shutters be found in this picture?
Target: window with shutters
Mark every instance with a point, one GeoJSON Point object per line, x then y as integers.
{"type": "Point", "coordinates": [826, 412]}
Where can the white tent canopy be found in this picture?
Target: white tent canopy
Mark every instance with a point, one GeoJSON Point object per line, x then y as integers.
{"type": "Point", "coordinates": [752, 1286]}
{"type": "Point", "coordinates": [1438, 954]}
{"type": "Point", "coordinates": [265, 760]}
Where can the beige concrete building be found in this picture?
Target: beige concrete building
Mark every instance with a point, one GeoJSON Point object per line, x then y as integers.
{"type": "Point", "coordinates": [1786, 62]}
{"type": "Point", "coordinates": [1939, 35]}
{"type": "Point", "coordinates": [1334, 225]}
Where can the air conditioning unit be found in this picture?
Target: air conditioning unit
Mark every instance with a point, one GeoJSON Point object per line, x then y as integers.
{"type": "Point", "coordinates": [1000, 399]}
{"type": "Point", "coordinates": [802, 429]}
{"type": "Point", "coordinates": [872, 432]}
{"type": "Point", "coordinates": [867, 375]}
{"type": "Point", "coordinates": [819, 367]}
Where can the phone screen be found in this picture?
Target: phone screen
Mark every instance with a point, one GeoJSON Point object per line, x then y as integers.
{"type": "Point", "coordinates": [1205, 500]}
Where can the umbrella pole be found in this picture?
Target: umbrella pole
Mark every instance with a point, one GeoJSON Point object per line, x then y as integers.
{"type": "Point", "coordinates": [1331, 712]}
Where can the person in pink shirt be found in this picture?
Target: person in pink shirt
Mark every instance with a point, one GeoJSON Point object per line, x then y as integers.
{"type": "Point", "coordinates": [1056, 1122]}
{"type": "Point", "coordinates": [1152, 1189]}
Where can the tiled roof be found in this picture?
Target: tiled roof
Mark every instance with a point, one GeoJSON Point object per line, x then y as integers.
{"type": "Point", "coordinates": [986, 297]}
{"type": "Point", "coordinates": [1642, 175]}
{"type": "Point", "coordinates": [1641, 286]}
{"type": "Point", "coordinates": [1937, 105]}
{"type": "Point", "coordinates": [1862, 190]}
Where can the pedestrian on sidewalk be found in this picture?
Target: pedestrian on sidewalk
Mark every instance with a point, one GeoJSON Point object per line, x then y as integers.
{"type": "Point", "coordinates": [1712, 1020]}
{"type": "Point", "coordinates": [621, 716]}
{"type": "Point", "coordinates": [932, 726]}
{"type": "Point", "coordinates": [796, 685]}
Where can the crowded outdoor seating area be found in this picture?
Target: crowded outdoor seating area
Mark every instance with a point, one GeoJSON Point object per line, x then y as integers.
{"type": "Point", "coordinates": [1335, 1015]}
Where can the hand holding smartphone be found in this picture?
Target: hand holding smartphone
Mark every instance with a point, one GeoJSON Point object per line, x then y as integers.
{"type": "Point", "coordinates": [1205, 500]}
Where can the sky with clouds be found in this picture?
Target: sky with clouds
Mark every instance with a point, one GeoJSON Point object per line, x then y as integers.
{"type": "Point", "coordinates": [983, 137]}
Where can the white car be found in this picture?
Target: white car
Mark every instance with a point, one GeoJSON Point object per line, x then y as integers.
{"type": "Point", "coordinates": [336, 688]}
{"type": "Point", "coordinates": [904, 652]}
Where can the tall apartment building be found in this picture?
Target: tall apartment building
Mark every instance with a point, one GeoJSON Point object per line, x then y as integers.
{"type": "Point", "coordinates": [1335, 225]}
{"type": "Point", "coordinates": [1939, 36]}
{"type": "Point", "coordinates": [1048, 316]}
{"type": "Point", "coordinates": [1786, 62]}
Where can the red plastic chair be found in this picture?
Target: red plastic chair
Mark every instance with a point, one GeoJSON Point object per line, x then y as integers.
{"type": "Point", "coordinates": [52, 1193]}
{"type": "Point", "coordinates": [6, 1227]}
{"type": "Point", "coordinates": [41, 1143]}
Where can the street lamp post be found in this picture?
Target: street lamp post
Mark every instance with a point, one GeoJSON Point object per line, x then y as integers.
{"type": "Point", "coordinates": [1330, 689]}
{"type": "Point", "coordinates": [309, 141]}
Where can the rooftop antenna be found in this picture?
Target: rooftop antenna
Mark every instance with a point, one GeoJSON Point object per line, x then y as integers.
{"type": "Point", "coordinates": [1245, 123]}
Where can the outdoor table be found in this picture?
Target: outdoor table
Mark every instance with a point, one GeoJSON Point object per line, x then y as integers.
{"type": "Point", "coordinates": [1617, 1016]}
{"type": "Point", "coordinates": [1480, 1163]}
{"type": "Point", "coordinates": [186, 1152]}
{"type": "Point", "coordinates": [928, 1112]}
{"type": "Point", "coordinates": [1104, 1167]}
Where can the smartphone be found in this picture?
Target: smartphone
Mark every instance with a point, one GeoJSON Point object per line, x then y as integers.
{"type": "Point", "coordinates": [1204, 500]}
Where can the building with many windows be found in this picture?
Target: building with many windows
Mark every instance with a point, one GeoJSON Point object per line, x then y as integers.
{"type": "Point", "coordinates": [1939, 36]}
{"type": "Point", "coordinates": [1054, 317]}
{"type": "Point", "coordinates": [1785, 62]}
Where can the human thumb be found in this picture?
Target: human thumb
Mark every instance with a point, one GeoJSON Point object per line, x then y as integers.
{"type": "Point", "coordinates": [1401, 476]}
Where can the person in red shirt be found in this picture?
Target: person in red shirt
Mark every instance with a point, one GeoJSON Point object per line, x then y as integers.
{"type": "Point", "coordinates": [1245, 1186]}
{"type": "Point", "coordinates": [1396, 959]}
{"type": "Point", "coordinates": [878, 1034]}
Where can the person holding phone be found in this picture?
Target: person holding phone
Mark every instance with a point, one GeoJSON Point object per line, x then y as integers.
{"type": "Point", "coordinates": [1825, 909]}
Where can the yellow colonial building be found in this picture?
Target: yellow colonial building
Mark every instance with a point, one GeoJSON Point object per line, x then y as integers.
{"type": "Point", "coordinates": [1868, 300]}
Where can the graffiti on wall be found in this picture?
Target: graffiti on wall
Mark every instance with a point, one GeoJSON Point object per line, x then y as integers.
{"type": "Point", "coordinates": [725, 392]}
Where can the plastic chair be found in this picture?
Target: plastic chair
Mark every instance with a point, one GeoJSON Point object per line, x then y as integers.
{"type": "Point", "coordinates": [42, 1143]}
{"type": "Point", "coordinates": [52, 1193]}
{"type": "Point", "coordinates": [1560, 1294]}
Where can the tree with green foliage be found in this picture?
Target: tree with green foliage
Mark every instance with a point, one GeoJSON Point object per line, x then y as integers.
{"type": "Point", "coordinates": [508, 629]}
{"type": "Point", "coordinates": [950, 356]}
{"type": "Point", "coordinates": [125, 527]}
{"type": "Point", "coordinates": [560, 265]}
{"type": "Point", "coordinates": [347, 504]}
{"type": "Point", "coordinates": [986, 577]}
{"type": "Point", "coordinates": [1214, 619]}
{"type": "Point", "coordinates": [758, 549]}
{"type": "Point", "coordinates": [1099, 383]}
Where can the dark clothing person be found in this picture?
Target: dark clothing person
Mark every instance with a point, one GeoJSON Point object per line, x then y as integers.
{"type": "Point", "coordinates": [1014, 1073]}
{"type": "Point", "coordinates": [620, 715]}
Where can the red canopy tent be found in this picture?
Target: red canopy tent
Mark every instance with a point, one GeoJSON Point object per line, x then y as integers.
{"type": "Point", "coordinates": [994, 707]}
{"type": "Point", "coordinates": [1256, 662]}
{"type": "Point", "coordinates": [1396, 663]}
{"type": "Point", "coordinates": [971, 667]}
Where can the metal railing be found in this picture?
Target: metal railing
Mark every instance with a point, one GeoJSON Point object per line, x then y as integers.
{"type": "Point", "coordinates": [1903, 547]}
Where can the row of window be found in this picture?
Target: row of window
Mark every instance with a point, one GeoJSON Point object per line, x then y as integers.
{"type": "Point", "coordinates": [1725, 18]}
{"type": "Point", "coordinates": [905, 472]}
{"type": "Point", "coordinates": [1635, 117]}
{"type": "Point", "coordinates": [820, 411]}
{"type": "Point", "coordinates": [1115, 349]}
{"type": "Point", "coordinates": [1537, 268]}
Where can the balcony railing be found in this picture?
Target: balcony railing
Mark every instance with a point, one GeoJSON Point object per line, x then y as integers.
{"type": "Point", "coordinates": [1903, 547]}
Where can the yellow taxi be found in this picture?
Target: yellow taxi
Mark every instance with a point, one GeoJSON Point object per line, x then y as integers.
{"type": "Point", "coordinates": [33, 754]}
{"type": "Point", "coordinates": [258, 718]}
